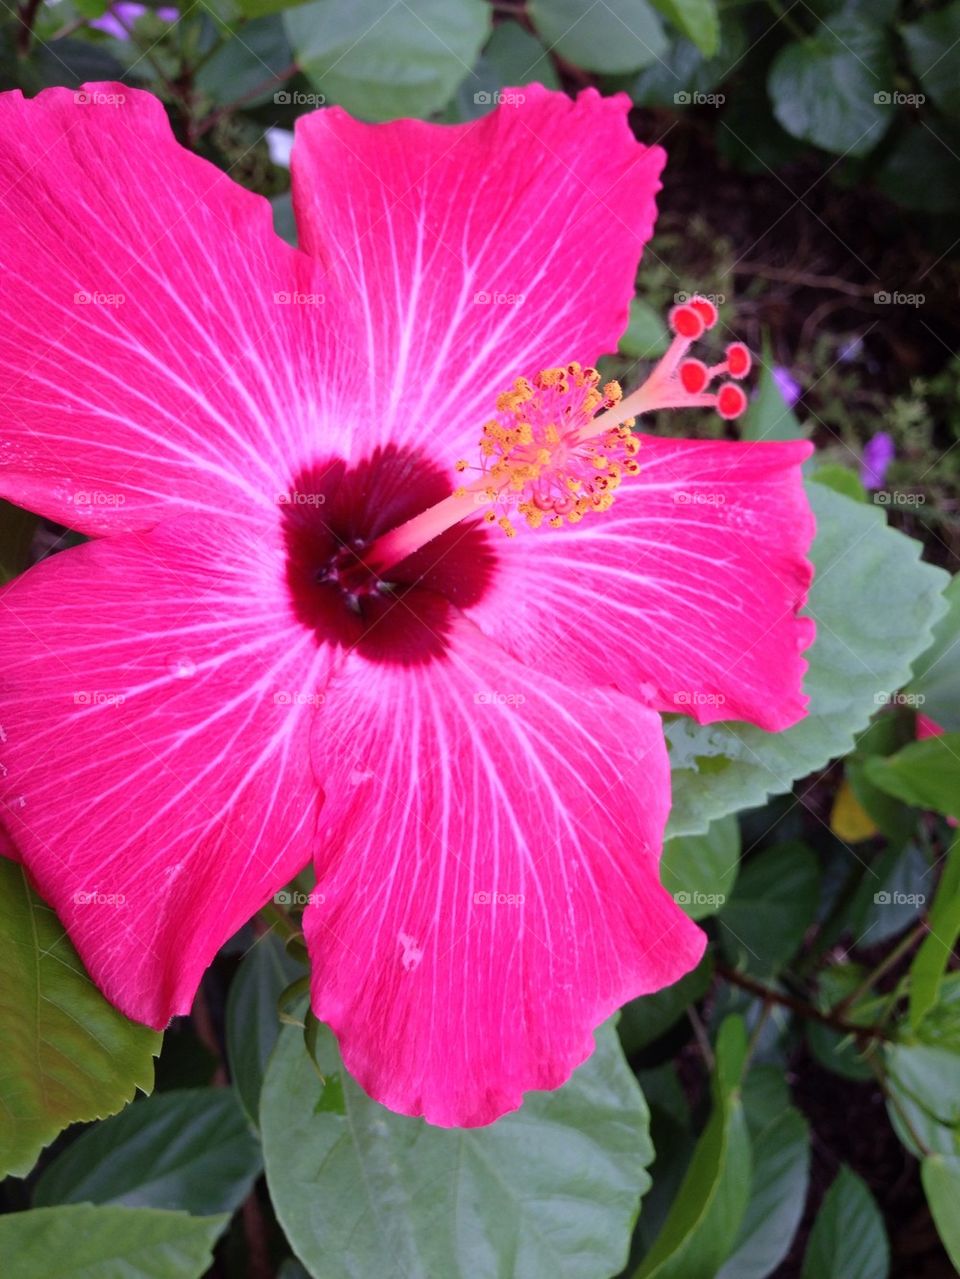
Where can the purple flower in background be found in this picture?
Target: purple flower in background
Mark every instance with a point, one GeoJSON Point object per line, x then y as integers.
{"type": "Point", "coordinates": [787, 385]}
{"type": "Point", "coordinates": [120, 17]}
{"type": "Point", "coordinates": [878, 453]}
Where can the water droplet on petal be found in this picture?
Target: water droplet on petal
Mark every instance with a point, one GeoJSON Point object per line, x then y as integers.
{"type": "Point", "coordinates": [181, 667]}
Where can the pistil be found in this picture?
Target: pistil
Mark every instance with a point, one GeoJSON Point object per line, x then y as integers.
{"type": "Point", "coordinates": [560, 447]}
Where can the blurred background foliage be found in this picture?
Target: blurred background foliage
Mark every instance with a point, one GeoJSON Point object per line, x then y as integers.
{"type": "Point", "coordinates": [802, 1113]}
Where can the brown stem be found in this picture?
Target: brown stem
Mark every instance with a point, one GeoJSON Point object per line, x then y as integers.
{"type": "Point", "coordinates": [905, 945]}
{"type": "Point", "coordinates": [834, 282]}
{"type": "Point", "coordinates": [800, 1007]}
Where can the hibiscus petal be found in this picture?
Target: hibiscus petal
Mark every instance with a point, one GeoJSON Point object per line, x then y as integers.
{"type": "Point", "coordinates": [477, 252]}
{"type": "Point", "coordinates": [488, 888]}
{"type": "Point", "coordinates": [684, 595]}
{"type": "Point", "coordinates": [148, 364]}
{"type": "Point", "coordinates": [154, 773]}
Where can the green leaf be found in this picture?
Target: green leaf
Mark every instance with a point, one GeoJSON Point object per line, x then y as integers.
{"type": "Point", "coordinates": [647, 336]}
{"type": "Point", "coordinates": [512, 57]}
{"type": "Point", "coordinates": [920, 171]}
{"type": "Point", "coordinates": [926, 774]}
{"type": "Point", "coordinates": [914, 1101]}
{"type": "Point", "coordinates": [700, 870]}
{"type": "Point", "coordinates": [248, 69]}
{"type": "Point", "coordinates": [697, 19]}
{"type": "Point", "coordinates": [825, 88]}
{"type": "Point", "coordinates": [284, 222]}
{"type": "Point", "coordinates": [930, 962]}
{"type": "Point", "coordinates": [647, 1017]}
{"type": "Point", "coordinates": [841, 479]}
{"type": "Point", "coordinates": [382, 62]}
{"type": "Point", "coordinates": [931, 47]}
{"type": "Point", "coordinates": [835, 1050]}
{"type": "Point", "coordinates": [253, 1022]}
{"type": "Point", "coordinates": [936, 673]}
{"type": "Point", "coordinates": [769, 416]}
{"type": "Point", "coordinates": [682, 68]}
{"type": "Point", "coordinates": [941, 1184]}
{"type": "Point", "coordinates": [82, 1240]}
{"type": "Point", "coordinates": [68, 1055]}
{"type": "Point", "coordinates": [866, 641]}
{"type": "Point", "coordinates": [614, 37]}
{"type": "Point", "coordinates": [930, 1075]}
{"type": "Point", "coordinates": [188, 1149]}
{"type": "Point", "coordinates": [703, 1224]}
{"type": "Point", "coordinates": [763, 923]}
{"type": "Point", "coordinates": [848, 1240]}
{"type": "Point", "coordinates": [551, 1190]}
{"type": "Point", "coordinates": [778, 1192]}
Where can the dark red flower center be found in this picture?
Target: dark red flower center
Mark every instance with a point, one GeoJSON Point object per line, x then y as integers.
{"type": "Point", "coordinates": [333, 511]}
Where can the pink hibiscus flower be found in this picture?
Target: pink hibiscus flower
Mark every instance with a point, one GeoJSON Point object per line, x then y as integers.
{"type": "Point", "coordinates": [296, 636]}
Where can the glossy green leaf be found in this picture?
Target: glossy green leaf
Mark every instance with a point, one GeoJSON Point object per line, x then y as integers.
{"type": "Point", "coordinates": [250, 68]}
{"type": "Point", "coordinates": [840, 1051]}
{"type": "Point", "coordinates": [828, 89]}
{"type": "Point", "coordinates": [253, 1020]}
{"type": "Point", "coordinates": [931, 960]}
{"type": "Point", "coordinates": [769, 416]}
{"type": "Point", "coordinates": [683, 70]}
{"type": "Point", "coordinates": [841, 479]}
{"type": "Point", "coordinates": [647, 335]}
{"type": "Point", "coordinates": [926, 774]}
{"type": "Point", "coordinates": [697, 19]}
{"type": "Point", "coordinates": [866, 641]}
{"type": "Point", "coordinates": [763, 923]}
{"type": "Point", "coordinates": [931, 47]}
{"type": "Point", "coordinates": [848, 1240]}
{"type": "Point", "coordinates": [382, 62]}
{"type": "Point", "coordinates": [512, 57]}
{"type": "Point", "coordinates": [778, 1192]}
{"type": "Point", "coordinates": [921, 1108]}
{"type": "Point", "coordinates": [68, 1055]}
{"type": "Point", "coordinates": [930, 1074]}
{"type": "Point", "coordinates": [614, 37]}
{"type": "Point", "coordinates": [941, 1184]}
{"type": "Point", "coordinates": [551, 1190]}
{"type": "Point", "coordinates": [936, 673]}
{"type": "Point", "coordinates": [700, 871]}
{"type": "Point", "coordinates": [189, 1149]}
{"type": "Point", "coordinates": [703, 1224]}
{"type": "Point", "coordinates": [84, 1241]}
{"type": "Point", "coordinates": [647, 1017]}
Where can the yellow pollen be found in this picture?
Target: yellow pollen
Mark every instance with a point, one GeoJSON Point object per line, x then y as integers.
{"type": "Point", "coordinates": [541, 448]}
